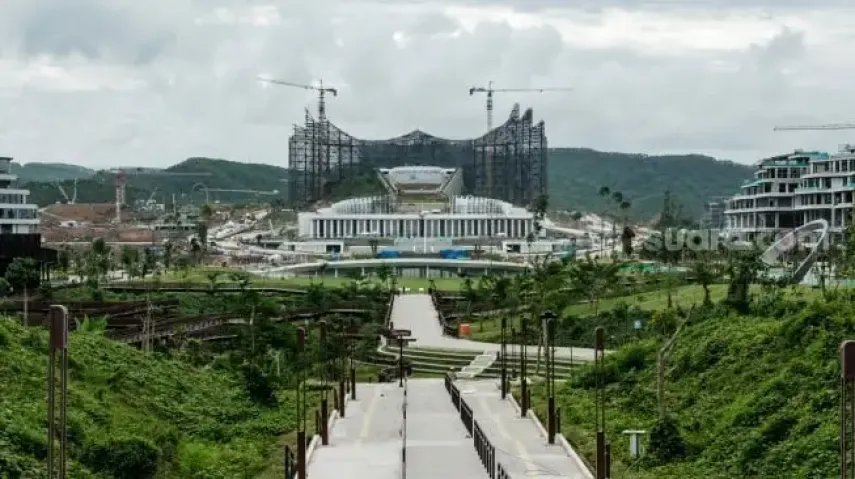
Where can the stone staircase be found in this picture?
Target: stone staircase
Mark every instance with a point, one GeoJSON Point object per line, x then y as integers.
{"type": "Point", "coordinates": [477, 366]}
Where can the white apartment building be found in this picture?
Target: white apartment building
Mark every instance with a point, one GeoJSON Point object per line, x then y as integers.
{"type": "Point", "coordinates": [793, 189]}
{"type": "Point", "coordinates": [825, 191]}
{"type": "Point", "coordinates": [16, 215]}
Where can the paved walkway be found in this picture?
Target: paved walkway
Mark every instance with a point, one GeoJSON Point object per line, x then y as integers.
{"type": "Point", "coordinates": [520, 447]}
{"type": "Point", "coordinates": [416, 313]}
{"type": "Point", "coordinates": [368, 442]}
{"type": "Point", "coordinates": [438, 445]}
{"type": "Point", "coordinates": [367, 439]}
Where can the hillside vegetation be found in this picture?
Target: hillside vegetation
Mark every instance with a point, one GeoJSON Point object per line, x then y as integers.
{"type": "Point", "coordinates": [577, 174]}
{"type": "Point", "coordinates": [751, 395]}
{"type": "Point", "coordinates": [575, 178]}
{"type": "Point", "coordinates": [216, 174]}
{"type": "Point", "coordinates": [49, 172]}
{"type": "Point", "coordinates": [131, 415]}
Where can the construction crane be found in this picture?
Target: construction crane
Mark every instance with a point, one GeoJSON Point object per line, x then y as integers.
{"type": "Point", "coordinates": [833, 126]}
{"type": "Point", "coordinates": [201, 186]}
{"type": "Point", "coordinates": [489, 90]}
{"type": "Point", "coordinates": [121, 183]}
{"type": "Point", "coordinates": [73, 198]}
{"type": "Point", "coordinates": [321, 89]}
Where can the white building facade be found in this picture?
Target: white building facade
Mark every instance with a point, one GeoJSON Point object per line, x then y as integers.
{"type": "Point", "coordinates": [16, 215]}
{"type": "Point", "coordinates": [463, 218]}
{"type": "Point", "coordinates": [794, 189]}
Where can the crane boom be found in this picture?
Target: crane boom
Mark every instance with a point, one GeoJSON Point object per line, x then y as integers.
{"type": "Point", "coordinates": [321, 89]}
{"type": "Point", "coordinates": [489, 90]}
{"type": "Point", "coordinates": [832, 126]}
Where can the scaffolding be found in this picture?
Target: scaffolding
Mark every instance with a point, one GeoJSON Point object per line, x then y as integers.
{"type": "Point", "coordinates": [507, 163]}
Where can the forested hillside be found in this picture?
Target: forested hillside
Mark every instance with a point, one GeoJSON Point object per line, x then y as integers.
{"type": "Point", "coordinates": [575, 178]}
{"type": "Point", "coordinates": [577, 174]}
{"type": "Point", "coordinates": [48, 172]}
{"type": "Point", "coordinates": [215, 174]}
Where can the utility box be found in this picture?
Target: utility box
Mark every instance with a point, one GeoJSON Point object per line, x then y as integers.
{"type": "Point", "coordinates": [635, 441]}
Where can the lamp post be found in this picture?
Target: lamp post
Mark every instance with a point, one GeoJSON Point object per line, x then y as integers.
{"type": "Point", "coordinates": [322, 342]}
{"type": "Point", "coordinates": [301, 405]}
{"type": "Point", "coordinates": [548, 318]}
{"type": "Point", "coordinates": [503, 352]}
{"type": "Point", "coordinates": [603, 457]}
{"type": "Point", "coordinates": [523, 363]}
{"type": "Point", "coordinates": [58, 344]}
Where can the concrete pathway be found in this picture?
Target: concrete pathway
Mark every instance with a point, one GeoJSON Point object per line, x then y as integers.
{"type": "Point", "coordinates": [368, 443]}
{"type": "Point", "coordinates": [438, 445]}
{"type": "Point", "coordinates": [520, 446]}
{"type": "Point", "coordinates": [416, 313]}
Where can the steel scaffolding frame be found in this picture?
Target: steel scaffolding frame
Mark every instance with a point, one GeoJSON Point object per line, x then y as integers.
{"type": "Point", "coordinates": [507, 163]}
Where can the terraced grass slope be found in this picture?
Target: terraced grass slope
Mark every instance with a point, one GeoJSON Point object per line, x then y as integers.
{"type": "Point", "coordinates": [753, 396]}
{"type": "Point", "coordinates": [131, 415]}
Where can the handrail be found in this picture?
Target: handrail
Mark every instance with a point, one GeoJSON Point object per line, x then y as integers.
{"type": "Point", "coordinates": [483, 447]}
{"type": "Point", "coordinates": [447, 328]}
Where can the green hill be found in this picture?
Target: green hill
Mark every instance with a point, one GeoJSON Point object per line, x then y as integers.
{"type": "Point", "coordinates": [49, 172]}
{"type": "Point", "coordinates": [577, 174]}
{"type": "Point", "coordinates": [575, 177]}
{"type": "Point", "coordinates": [131, 415]}
{"type": "Point", "coordinates": [753, 396]}
{"type": "Point", "coordinates": [217, 174]}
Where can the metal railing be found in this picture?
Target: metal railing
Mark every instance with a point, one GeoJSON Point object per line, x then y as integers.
{"type": "Point", "coordinates": [483, 447]}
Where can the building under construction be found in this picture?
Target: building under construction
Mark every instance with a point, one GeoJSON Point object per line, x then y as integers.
{"type": "Point", "coordinates": [508, 163]}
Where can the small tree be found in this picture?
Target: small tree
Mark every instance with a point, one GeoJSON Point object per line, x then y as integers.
{"type": "Point", "coordinates": [23, 275]}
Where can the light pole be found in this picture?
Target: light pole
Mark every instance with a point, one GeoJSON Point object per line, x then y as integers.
{"type": "Point", "coordinates": [523, 364]}
{"type": "Point", "coordinates": [301, 404]}
{"type": "Point", "coordinates": [603, 456]}
{"type": "Point", "coordinates": [548, 318]}
{"type": "Point", "coordinates": [503, 351]}
{"type": "Point", "coordinates": [322, 341]}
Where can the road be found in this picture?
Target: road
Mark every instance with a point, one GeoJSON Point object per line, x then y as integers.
{"type": "Point", "coordinates": [368, 443]}
{"type": "Point", "coordinates": [416, 313]}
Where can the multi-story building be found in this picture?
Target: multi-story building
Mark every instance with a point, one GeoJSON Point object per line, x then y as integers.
{"type": "Point", "coordinates": [16, 215]}
{"type": "Point", "coordinates": [424, 203]}
{"type": "Point", "coordinates": [825, 191]}
{"type": "Point", "coordinates": [19, 223]}
{"type": "Point", "coordinates": [794, 189]}
{"type": "Point", "coordinates": [767, 204]}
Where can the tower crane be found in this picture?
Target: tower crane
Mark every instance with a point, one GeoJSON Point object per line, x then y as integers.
{"type": "Point", "coordinates": [73, 198]}
{"type": "Point", "coordinates": [321, 89]}
{"type": "Point", "coordinates": [489, 90]}
{"type": "Point", "coordinates": [832, 126]}
{"type": "Point", "coordinates": [121, 182]}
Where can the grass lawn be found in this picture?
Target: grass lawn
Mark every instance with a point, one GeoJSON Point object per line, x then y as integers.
{"type": "Point", "coordinates": [200, 275]}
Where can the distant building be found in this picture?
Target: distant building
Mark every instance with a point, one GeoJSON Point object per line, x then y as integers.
{"type": "Point", "coordinates": [713, 217]}
{"type": "Point", "coordinates": [793, 189]}
{"type": "Point", "coordinates": [19, 222]}
{"type": "Point", "coordinates": [422, 203]}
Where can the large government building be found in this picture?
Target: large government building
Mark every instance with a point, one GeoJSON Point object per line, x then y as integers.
{"type": "Point", "coordinates": [508, 163]}
{"type": "Point", "coordinates": [424, 202]}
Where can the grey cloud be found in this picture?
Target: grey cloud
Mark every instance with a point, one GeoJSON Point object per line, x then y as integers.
{"type": "Point", "coordinates": [202, 97]}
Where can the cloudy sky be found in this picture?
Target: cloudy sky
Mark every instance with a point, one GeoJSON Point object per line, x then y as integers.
{"type": "Point", "coordinates": [127, 82]}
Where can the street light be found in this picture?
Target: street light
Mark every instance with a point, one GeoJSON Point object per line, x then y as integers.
{"type": "Point", "coordinates": [503, 352]}
{"type": "Point", "coordinates": [548, 319]}
{"type": "Point", "coordinates": [322, 341]}
{"type": "Point", "coordinates": [523, 364]}
{"type": "Point", "coordinates": [301, 405]}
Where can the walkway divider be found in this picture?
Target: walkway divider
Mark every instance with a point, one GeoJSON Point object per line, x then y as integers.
{"type": "Point", "coordinates": [483, 447]}
{"type": "Point", "coordinates": [448, 329]}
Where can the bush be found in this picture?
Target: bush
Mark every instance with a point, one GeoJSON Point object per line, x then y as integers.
{"type": "Point", "coordinates": [122, 458]}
